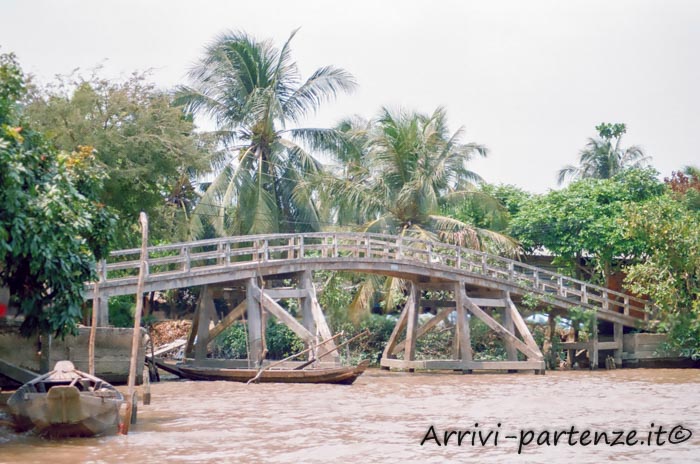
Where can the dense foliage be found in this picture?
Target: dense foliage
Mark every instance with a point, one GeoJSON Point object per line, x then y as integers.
{"type": "Point", "coordinates": [402, 168]}
{"type": "Point", "coordinates": [670, 271]}
{"type": "Point", "coordinates": [147, 146]}
{"type": "Point", "coordinates": [52, 228]}
{"type": "Point", "coordinates": [583, 221]}
{"type": "Point", "coordinates": [253, 91]}
{"type": "Point", "coordinates": [480, 209]}
{"type": "Point", "coordinates": [281, 342]}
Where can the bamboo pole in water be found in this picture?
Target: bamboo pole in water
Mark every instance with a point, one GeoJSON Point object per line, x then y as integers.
{"type": "Point", "coordinates": [93, 329]}
{"type": "Point", "coordinates": [143, 219]}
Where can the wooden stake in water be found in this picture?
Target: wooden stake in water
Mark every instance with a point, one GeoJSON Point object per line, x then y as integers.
{"type": "Point", "coordinates": [93, 329]}
{"type": "Point", "coordinates": [143, 219]}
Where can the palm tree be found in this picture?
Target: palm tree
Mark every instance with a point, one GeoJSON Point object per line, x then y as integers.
{"type": "Point", "coordinates": [397, 172]}
{"type": "Point", "coordinates": [603, 157]}
{"type": "Point", "coordinates": [253, 91]}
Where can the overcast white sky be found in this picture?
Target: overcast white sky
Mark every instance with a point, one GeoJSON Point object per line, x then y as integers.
{"type": "Point", "coordinates": [528, 79]}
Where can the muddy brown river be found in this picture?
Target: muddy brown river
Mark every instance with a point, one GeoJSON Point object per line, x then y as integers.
{"type": "Point", "coordinates": [384, 417]}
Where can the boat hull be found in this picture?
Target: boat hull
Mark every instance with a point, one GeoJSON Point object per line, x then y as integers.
{"type": "Point", "coordinates": [338, 375]}
{"type": "Point", "coordinates": [65, 411]}
{"type": "Point", "coordinates": [66, 402]}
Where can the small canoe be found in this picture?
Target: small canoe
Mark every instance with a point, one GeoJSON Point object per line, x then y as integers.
{"type": "Point", "coordinates": [334, 375]}
{"type": "Point", "coordinates": [66, 403]}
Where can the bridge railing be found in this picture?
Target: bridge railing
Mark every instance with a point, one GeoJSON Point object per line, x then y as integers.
{"type": "Point", "coordinates": [201, 255]}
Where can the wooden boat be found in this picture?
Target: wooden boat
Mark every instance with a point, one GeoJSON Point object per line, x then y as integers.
{"type": "Point", "coordinates": [66, 402]}
{"type": "Point", "coordinates": [334, 375]}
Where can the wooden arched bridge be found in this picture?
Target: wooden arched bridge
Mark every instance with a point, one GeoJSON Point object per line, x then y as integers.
{"type": "Point", "coordinates": [478, 284]}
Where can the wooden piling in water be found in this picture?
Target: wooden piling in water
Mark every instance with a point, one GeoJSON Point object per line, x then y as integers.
{"type": "Point", "coordinates": [93, 329]}
{"type": "Point", "coordinates": [130, 406]}
{"type": "Point", "coordinates": [146, 395]}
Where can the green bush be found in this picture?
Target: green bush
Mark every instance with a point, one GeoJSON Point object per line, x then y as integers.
{"type": "Point", "coordinates": [486, 344]}
{"type": "Point", "coordinates": [121, 311]}
{"type": "Point", "coordinates": [436, 344]}
{"type": "Point", "coordinates": [281, 341]}
{"type": "Point", "coordinates": [232, 343]}
{"type": "Point", "coordinates": [371, 346]}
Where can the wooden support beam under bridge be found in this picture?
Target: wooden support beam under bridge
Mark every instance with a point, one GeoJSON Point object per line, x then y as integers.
{"type": "Point", "coordinates": [258, 302]}
{"type": "Point", "coordinates": [464, 307]}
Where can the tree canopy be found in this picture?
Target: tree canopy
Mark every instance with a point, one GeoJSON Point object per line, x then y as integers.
{"type": "Point", "coordinates": [670, 270]}
{"type": "Point", "coordinates": [583, 220]}
{"type": "Point", "coordinates": [399, 170]}
{"type": "Point", "coordinates": [603, 157]}
{"type": "Point", "coordinates": [52, 228]}
{"type": "Point", "coordinates": [147, 146]}
{"type": "Point", "coordinates": [491, 207]}
{"type": "Point", "coordinates": [253, 91]}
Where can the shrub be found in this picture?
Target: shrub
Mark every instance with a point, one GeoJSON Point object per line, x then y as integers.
{"type": "Point", "coordinates": [232, 343]}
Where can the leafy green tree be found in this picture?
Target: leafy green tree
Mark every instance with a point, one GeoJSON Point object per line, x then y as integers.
{"type": "Point", "coordinates": [52, 228]}
{"type": "Point", "coordinates": [582, 220]}
{"type": "Point", "coordinates": [253, 92]}
{"type": "Point", "coordinates": [670, 271]}
{"type": "Point", "coordinates": [491, 209]}
{"type": "Point", "coordinates": [147, 146]}
{"type": "Point", "coordinates": [603, 157]}
{"type": "Point", "coordinates": [11, 91]}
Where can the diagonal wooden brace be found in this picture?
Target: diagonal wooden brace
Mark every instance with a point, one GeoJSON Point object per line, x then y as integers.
{"type": "Point", "coordinates": [500, 330]}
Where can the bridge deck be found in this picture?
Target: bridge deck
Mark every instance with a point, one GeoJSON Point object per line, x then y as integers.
{"type": "Point", "coordinates": [241, 257]}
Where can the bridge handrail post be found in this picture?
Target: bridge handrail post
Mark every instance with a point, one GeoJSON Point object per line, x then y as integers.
{"type": "Point", "coordinates": [186, 264]}
{"type": "Point", "coordinates": [561, 291]}
{"type": "Point", "coordinates": [102, 270]}
{"type": "Point", "coordinates": [368, 246]}
{"type": "Point", "coordinates": [301, 246]}
{"type": "Point", "coordinates": [458, 261]}
{"type": "Point", "coordinates": [290, 246]}
{"type": "Point", "coordinates": [429, 254]}
{"type": "Point", "coordinates": [335, 245]}
{"type": "Point", "coordinates": [227, 251]}
{"type": "Point", "coordinates": [584, 293]}
{"type": "Point", "coordinates": [606, 299]}
{"type": "Point", "coordinates": [399, 247]}
{"type": "Point", "coordinates": [219, 254]}
{"type": "Point", "coordinates": [626, 309]}
{"type": "Point", "coordinates": [484, 265]}
{"type": "Point", "coordinates": [266, 250]}
{"type": "Point", "coordinates": [536, 275]}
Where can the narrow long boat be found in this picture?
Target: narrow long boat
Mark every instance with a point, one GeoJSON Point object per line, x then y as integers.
{"type": "Point", "coordinates": [66, 402]}
{"type": "Point", "coordinates": [334, 375]}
